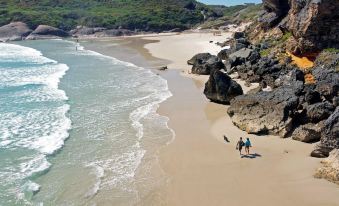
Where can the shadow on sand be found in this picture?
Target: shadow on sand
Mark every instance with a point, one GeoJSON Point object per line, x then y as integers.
{"type": "Point", "coordinates": [251, 156]}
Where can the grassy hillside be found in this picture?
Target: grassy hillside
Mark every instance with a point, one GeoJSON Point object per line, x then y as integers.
{"type": "Point", "coordinates": [130, 14]}
{"type": "Point", "coordinates": [232, 14]}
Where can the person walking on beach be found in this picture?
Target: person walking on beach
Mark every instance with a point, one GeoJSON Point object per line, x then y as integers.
{"type": "Point", "coordinates": [240, 144]}
{"type": "Point", "coordinates": [247, 146]}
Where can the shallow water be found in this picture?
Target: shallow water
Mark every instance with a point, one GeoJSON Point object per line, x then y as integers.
{"type": "Point", "coordinates": [105, 108]}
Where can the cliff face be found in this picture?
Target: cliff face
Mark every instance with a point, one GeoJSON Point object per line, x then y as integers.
{"type": "Point", "coordinates": [314, 24]}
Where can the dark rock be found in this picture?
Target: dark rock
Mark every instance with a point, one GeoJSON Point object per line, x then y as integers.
{"type": "Point", "coordinates": [312, 96]}
{"type": "Point", "coordinates": [240, 57]}
{"type": "Point", "coordinates": [308, 133]}
{"type": "Point", "coordinates": [320, 153]}
{"type": "Point", "coordinates": [327, 81]}
{"type": "Point", "coordinates": [86, 31]}
{"type": "Point", "coordinates": [14, 31]}
{"type": "Point", "coordinates": [280, 7]}
{"type": "Point", "coordinates": [314, 24]}
{"type": "Point", "coordinates": [199, 57]}
{"type": "Point", "coordinates": [204, 66]}
{"type": "Point", "coordinates": [267, 112]}
{"type": "Point", "coordinates": [116, 32]}
{"type": "Point", "coordinates": [319, 111]}
{"type": "Point", "coordinates": [223, 54]}
{"type": "Point", "coordinates": [330, 135]}
{"type": "Point", "coordinates": [46, 32]}
{"type": "Point", "coordinates": [238, 35]}
{"type": "Point", "coordinates": [221, 88]}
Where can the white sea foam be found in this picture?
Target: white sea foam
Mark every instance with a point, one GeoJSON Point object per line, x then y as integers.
{"type": "Point", "coordinates": [16, 53]}
{"type": "Point", "coordinates": [99, 173]}
{"type": "Point", "coordinates": [32, 113]}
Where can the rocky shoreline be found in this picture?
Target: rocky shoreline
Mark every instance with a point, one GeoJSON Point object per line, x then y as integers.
{"type": "Point", "coordinates": [17, 31]}
{"type": "Point", "coordinates": [291, 101]}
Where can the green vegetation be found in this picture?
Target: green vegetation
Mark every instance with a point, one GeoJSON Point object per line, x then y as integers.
{"type": "Point", "coordinates": [250, 13]}
{"type": "Point", "coordinates": [149, 15]}
{"type": "Point", "coordinates": [232, 14]}
{"type": "Point", "coordinates": [285, 37]}
{"type": "Point", "coordinates": [265, 52]}
{"type": "Point", "coordinates": [332, 50]}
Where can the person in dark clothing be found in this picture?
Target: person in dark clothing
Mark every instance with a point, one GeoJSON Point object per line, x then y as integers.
{"type": "Point", "coordinates": [240, 145]}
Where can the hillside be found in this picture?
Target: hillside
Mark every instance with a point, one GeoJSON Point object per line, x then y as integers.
{"type": "Point", "coordinates": [148, 15]}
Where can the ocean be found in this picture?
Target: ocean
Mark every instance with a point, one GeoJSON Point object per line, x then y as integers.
{"type": "Point", "coordinates": [78, 127]}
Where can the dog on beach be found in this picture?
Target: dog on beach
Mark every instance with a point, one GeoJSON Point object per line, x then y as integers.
{"type": "Point", "coordinates": [226, 139]}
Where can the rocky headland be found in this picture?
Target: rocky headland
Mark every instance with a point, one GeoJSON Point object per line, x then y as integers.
{"type": "Point", "coordinates": [292, 52]}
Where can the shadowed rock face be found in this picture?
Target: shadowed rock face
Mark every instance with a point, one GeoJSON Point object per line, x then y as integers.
{"type": "Point", "coordinates": [279, 7]}
{"type": "Point", "coordinates": [221, 88]}
{"type": "Point", "coordinates": [314, 24]}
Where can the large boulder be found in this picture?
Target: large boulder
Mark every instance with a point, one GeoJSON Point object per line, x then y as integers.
{"type": "Point", "coordinates": [221, 88]}
{"type": "Point", "coordinates": [308, 133]}
{"type": "Point", "coordinates": [204, 66]}
{"type": "Point", "coordinates": [267, 112]}
{"type": "Point", "coordinates": [47, 32]}
{"type": "Point", "coordinates": [199, 57]}
{"type": "Point", "coordinates": [14, 31]}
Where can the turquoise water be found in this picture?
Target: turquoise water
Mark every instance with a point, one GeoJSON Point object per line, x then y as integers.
{"type": "Point", "coordinates": [77, 127]}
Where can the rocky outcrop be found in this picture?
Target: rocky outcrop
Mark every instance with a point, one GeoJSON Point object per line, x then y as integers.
{"type": "Point", "coordinates": [267, 112]}
{"type": "Point", "coordinates": [46, 32]}
{"type": "Point", "coordinates": [86, 31]}
{"type": "Point", "coordinates": [14, 31]}
{"type": "Point", "coordinates": [115, 32]}
{"type": "Point", "coordinates": [330, 168]}
{"type": "Point", "coordinates": [308, 133]}
{"type": "Point", "coordinates": [329, 136]}
{"type": "Point", "coordinates": [199, 57]}
{"type": "Point", "coordinates": [319, 111]}
{"type": "Point", "coordinates": [314, 24]}
{"type": "Point", "coordinates": [204, 63]}
{"type": "Point", "coordinates": [221, 88]}
{"type": "Point", "coordinates": [327, 77]}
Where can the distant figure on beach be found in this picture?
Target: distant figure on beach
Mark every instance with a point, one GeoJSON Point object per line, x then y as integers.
{"type": "Point", "coordinates": [240, 144]}
{"type": "Point", "coordinates": [247, 146]}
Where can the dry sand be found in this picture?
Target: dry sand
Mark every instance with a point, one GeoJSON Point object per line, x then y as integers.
{"type": "Point", "coordinates": [205, 170]}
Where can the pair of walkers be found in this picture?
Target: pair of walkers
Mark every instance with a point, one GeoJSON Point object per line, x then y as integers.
{"type": "Point", "coordinates": [242, 144]}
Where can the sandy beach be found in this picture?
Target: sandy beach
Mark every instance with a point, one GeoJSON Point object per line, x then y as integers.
{"type": "Point", "coordinates": [201, 168]}
{"type": "Point", "coordinates": [205, 170]}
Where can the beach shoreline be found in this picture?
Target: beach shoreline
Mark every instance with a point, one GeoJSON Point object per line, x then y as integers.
{"type": "Point", "coordinates": [204, 170]}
